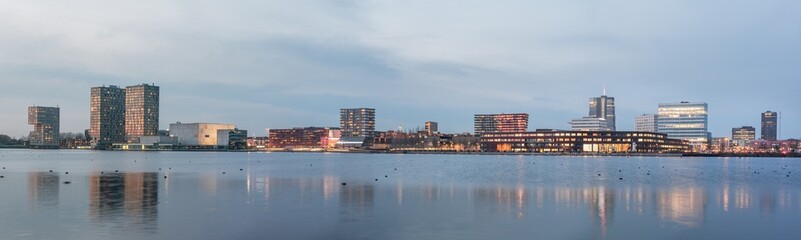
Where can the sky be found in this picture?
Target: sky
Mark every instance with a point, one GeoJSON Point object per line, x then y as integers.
{"type": "Point", "coordinates": [282, 64]}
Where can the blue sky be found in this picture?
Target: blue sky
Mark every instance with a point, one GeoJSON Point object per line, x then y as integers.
{"type": "Point", "coordinates": [279, 64]}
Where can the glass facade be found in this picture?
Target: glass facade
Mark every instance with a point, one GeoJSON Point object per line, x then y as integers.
{"type": "Point", "coordinates": [769, 120]}
{"type": "Point", "coordinates": [489, 123]}
{"type": "Point", "coordinates": [590, 124]}
{"type": "Point", "coordinates": [45, 121]}
{"type": "Point", "coordinates": [107, 116]}
{"type": "Point", "coordinates": [687, 121]}
{"type": "Point", "coordinates": [141, 111]}
{"type": "Point", "coordinates": [603, 107]}
{"type": "Point", "coordinates": [357, 122]}
{"type": "Point", "coordinates": [582, 142]}
{"type": "Point", "coordinates": [646, 123]}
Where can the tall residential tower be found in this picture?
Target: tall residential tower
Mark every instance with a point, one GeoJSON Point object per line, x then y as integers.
{"type": "Point", "coordinates": [107, 116]}
{"type": "Point", "coordinates": [141, 111]}
{"type": "Point", "coordinates": [45, 121]}
{"type": "Point", "coordinates": [357, 122]}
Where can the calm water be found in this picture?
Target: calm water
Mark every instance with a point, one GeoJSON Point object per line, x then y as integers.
{"type": "Point", "coordinates": [125, 195]}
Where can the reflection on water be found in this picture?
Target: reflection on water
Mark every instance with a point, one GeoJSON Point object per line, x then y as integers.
{"type": "Point", "coordinates": [43, 189]}
{"type": "Point", "coordinates": [286, 201]}
{"type": "Point", "coordinates": [128, 199]}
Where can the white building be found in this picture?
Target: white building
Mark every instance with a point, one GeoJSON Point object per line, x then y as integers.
{"type": "Point", "coordinates": [646, 123]}
{"type": "Point", "coordinates": [199, 134]}
{"type": "Point", "coordinates": [687, 121]}
{"type": "Point", "coordinates": [591, 124]}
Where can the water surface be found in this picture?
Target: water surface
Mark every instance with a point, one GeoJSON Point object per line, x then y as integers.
{"type": "Point", "coordinates": [207, 195]}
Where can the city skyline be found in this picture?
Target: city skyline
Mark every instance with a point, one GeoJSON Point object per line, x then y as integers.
{"type": "Point", "coordinates": [284, 71]}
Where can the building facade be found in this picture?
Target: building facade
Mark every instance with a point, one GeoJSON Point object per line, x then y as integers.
{"type": "Point", "coordinates": [582, 142]}
{"type": "Point", "coordinates": [646, 123]}
{"type": "Point", "coordinates": [686, 121]}
{"type": "Point", "coordinates": [769, 126]}
{"type": "Point", "coordinates": [357, 122]}
{"type": "Point", "coordinates": [107, 116]}
{"type": "Point", "coordinates": [490, 123]}
{"type": "Point", "coordinates": [301, 138]}
{"type": "Point", "coordinates": [592, 124]}
{"type": "Point", "coordinates": [45, 121]}
{"type": "Point", "coordinates": [432, 128]}
{"type": "Point", "coordinates": [604, 107]}
{"type": "Point", "coordinates": [200, 135]}
{"type": "Point", "coordinates": [141, 111]}
{"type": "Point", "coordinates": [744, 133]}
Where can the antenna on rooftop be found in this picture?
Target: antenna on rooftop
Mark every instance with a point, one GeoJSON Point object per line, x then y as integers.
{"type": "Point", "coordinates": [604, 88]}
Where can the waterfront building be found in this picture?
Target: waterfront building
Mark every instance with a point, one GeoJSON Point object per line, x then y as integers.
{"type": "Point", "coordinates": [301, 138]}
{"type": "Point", "coordinates": [646, 123]}
{"type": "Point", "coordinates": [432, 128]}
{"type": "Point", "coordinates": [489, 123]}
{"type": "Point", "coordinates": [141, 111]}
{"type": "Point", "coordinates": [200, 135]}
{"type": "Point", "coordinates": [582, 142]}
{"type": "Point", "coordinates": [107, 116]}
{"type": "Point", "coordinates": [686, 121]}
{"type": "Point", "coordinates": [235, 139]}
{"type": "Point", "coordinates": [603, 107]}
{"type": "Point", "coordinates": [45, 121]}
{"type": "Point", "coordinates": [721, 145]}
{"type": "Point", "coordinates": [744, 133]}
{"type": "Point", "coordinates": [769, 124]}
{"type": "Point", "coordinates": [590, 124]}
{"type": "Point", "coordinates": [357, 122]}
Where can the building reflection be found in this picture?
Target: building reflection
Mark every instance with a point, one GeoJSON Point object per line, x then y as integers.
{"type": "Point", "coordinates": [126, 198]}
{"type": "Point", "coordinates": [43, 189]}
{"type": "Point", "coordinates": [685, 206]}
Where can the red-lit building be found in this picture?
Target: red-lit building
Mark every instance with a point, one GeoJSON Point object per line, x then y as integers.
{"type": "Point", "coordinates": [582, 142]}
{"type": "Point", "coordinates": [494, 123]}
{"type": "Point", "coordinates": [309, 137]}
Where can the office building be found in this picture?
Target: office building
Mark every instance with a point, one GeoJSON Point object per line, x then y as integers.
{"type": "Point", "coordinates": [603, 107]}
{"type": "Point", "coordinates": [552, 141]}
{"type": "Point", "coordinates": [45, 121]}
{"type": "Point", "coordinates": [645, 123]}
{"type": "Point", "coordinates": [432, 128]}
{"type": "Point", "coordinates": [769, 124]}
{"type": "Point", "coordinates": [357, 122]}
{"type": "Point", "coordinates": [235, 139]}
{"type": "Point", "coordinates": [141, 111]}
{"type": "Point", "coordinates": [744, 133]}
{"type": "Point", "coordinates": [686, 121]}
{"type": "Point", "coordinates": [591, 124]}
{"type": "Point", "coordinates": [200, 135]}
{"type": "Point", "coordinates": [490, 123]}
{"type": "Point", "coordinates": [107, 116]}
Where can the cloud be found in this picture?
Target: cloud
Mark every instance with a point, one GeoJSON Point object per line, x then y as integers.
{"type": "Point", "coordinates": [269, 64]}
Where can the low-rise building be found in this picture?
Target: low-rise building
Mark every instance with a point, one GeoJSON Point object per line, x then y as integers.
{"type": "Point", "coordinates": [302, 138]}
{"type": "Point", "coordinates": [199, 135]}
{"type": "Point", "coordinates": [582, 142]}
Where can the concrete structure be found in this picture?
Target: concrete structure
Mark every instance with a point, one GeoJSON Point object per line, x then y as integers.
{"type": "Point", "coordinates": [686, 121]}
{"type": "Point", "coordinates": [603, 107]}
{"type": "Point", "coordinates": [646, 123]}
{"type": "Point", "coordinates": [107, 116]}
{"type": "Point", "coordinates": [432, 128]}
{"type": "Point", "coordinates": [742, 135]}
{"type": "Point", "coordinates": [45, 121]}
{"type": "Point", "coordinates": [141, 111]}
{"type": "Point", "coordinates": [490, 123]}
{"type": "Point", "coordinates": [769, 126]}
{"type": "Point", "coordinates": [201, 135]}
{"type": "Point", "coordinates": [357, 122]}
{"type": "Point", "coordinates": [592, 124]}
{"type": "Point", "coordinates": [582, 142]}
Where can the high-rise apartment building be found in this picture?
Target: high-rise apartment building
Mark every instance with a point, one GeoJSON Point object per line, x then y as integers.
{"type": "Point", "coordinates": [645, 123]}
{"type": "Point", "coordinates": [490, 123]}
{"type": "Point", "coordinates": [432, 128]}
{"type": "Point", "coordinates": [141, 111]}
{"type": "Point", "coordinates": [604, 107]}
{"type": "Point", "coordinates": [687, 121]}
{"type": "Point", "coordinates": [357, 122]}
{"type": "Point", "coordinates": [769, 123]}
{"type": "Point", "coordinates": [45, 121]}
{"type": "Point", "coordinates": [107, 116]}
